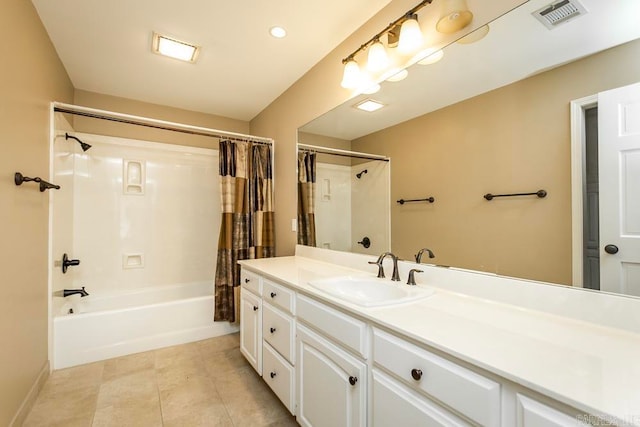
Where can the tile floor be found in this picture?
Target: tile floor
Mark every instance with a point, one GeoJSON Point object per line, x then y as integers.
{"type": "Point", "coordinates": [205, 383]}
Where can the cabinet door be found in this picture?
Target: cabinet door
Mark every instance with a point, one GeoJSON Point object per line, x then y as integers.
{"type": "Point", "coordinates": [532, 413]}
{"type": "Point", "coordinates": [332, 384]}
{"type": "Point", "coordinates": [395, 405]}
{"type": "Point", "coordinates": [251, 329]}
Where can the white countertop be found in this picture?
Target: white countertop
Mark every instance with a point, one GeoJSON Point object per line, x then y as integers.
{"type": "Point", "coordinates": [593, 368]}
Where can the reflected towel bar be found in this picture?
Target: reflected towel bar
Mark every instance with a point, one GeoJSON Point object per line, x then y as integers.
{"type": "Point", "coordinates": [539, 193]}
{"type": "Point", "coordinates": [428, 199]}
{"type": "Point", "coordinates": [44, 185]}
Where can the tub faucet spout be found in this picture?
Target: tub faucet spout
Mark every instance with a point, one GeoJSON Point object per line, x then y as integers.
{"type": "Point", "coordinates": [69, 292]}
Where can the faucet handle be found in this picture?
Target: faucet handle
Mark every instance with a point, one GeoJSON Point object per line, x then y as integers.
{"type": "Point", "coordinates": [380, 268]}
{"type": "Point", "coordinates": [412, 276]}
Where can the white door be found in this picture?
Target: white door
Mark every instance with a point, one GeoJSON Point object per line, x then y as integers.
{"type": "Point", "coordinates": [619, 164]}
{"type": "Point", "coordinates": [332, 384]}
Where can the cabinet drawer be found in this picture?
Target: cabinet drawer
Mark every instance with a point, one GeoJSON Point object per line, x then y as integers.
{"type": "Point", "coordinates": [532, 413]}
{"type": "Point", "coordinates": [461, 389]}
{"type": "Point", "coordinates": [395, 404]}
{"type": "Point", "coordinates": [278, 296]}
{"type": "Point", "coordinates": [278, 374]}
{"type": "Point", "coordinates": [278, 330]}
{"type": "Point", "coordinates": [251, 281]}
{"type": "Point", "coordinates": [335, 324]}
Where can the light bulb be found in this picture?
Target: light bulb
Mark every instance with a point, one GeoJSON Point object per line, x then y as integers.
{"type": "Point", "coordinates": [410, 36]}
{"type": "Point", "coordinates": [399, 75]}
{"type": "Point", "coordinates": [454, 16]}
{"type": "Point", "coordinates": [428, 56]}
{"type": "Point", "coordinates": [351, 77]}
{"type": "Point", "coordinates": [378, 59]}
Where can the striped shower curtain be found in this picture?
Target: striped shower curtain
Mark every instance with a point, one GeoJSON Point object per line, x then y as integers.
{"type": "Point", "coordinates": [247, 227]}
{"type": "Point", "coordinates": [306, 194]}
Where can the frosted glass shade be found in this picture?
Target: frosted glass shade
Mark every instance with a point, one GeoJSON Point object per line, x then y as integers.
{"type": "Point", "coordinates": [378, 59]}
{"type": "Point", "coordinates": [454, 16]}
{"type": "Point", "coordinates": [410, 36]}
{"type": "Point", "coordinates": [352, 76]}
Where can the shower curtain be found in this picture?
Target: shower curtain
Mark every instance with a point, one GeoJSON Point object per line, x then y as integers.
{"type": "Point", "coordinates": [306, 194]}
{"type": "Point", "coordinates": [247, 227]}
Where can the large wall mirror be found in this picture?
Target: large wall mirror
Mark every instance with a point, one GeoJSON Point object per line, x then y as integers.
{"type": "Point", "coordinates": [495, 116]}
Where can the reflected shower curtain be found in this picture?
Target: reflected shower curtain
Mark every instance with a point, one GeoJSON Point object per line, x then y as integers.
{"type": "Point", "coordinates": [247, 227]}
{"type": "Point", "coordinates": [306, 194]}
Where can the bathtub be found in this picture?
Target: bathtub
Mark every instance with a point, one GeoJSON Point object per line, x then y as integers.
{"type": "Point", "coordinates": [103, 326]}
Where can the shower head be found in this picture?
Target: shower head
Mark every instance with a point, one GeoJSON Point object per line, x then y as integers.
{"type": "Point", "coordinates": [359, 175]}
{"type": "Point", "coordinates": [84, 145]}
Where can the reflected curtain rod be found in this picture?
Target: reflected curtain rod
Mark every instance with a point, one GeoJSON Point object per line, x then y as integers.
{"type": "Point", "coordinates": [342, 153]}
{"type": "Point", "coordinates": [156, 124]}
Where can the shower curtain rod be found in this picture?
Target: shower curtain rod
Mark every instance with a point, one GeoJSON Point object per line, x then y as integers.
{"type": "Point", "coordinates": [342, 153]}
{"type": "Point", "coordinates": [156, 124]}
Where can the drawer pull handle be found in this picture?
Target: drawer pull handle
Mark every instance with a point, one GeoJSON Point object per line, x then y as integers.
{"type": "Point", "coordinates": [273, 294]}
{"type": "Point", "coordinates": [247, 280]}
{"type": "Point", "coordinates": [416, 374]}
{"type": "Point", "coordinates": [353, 380]}
{"type": "Point", "coordinates": [272, 374]}
{"type": "Point", "coordinates": [272, 330]}
{"type": "Point", "coordinates": [255, 308]}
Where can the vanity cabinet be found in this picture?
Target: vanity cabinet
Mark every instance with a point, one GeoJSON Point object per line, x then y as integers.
{"type": "Point", "coordinates": [332, 384]}
{"type": "Point", "coordinates": [437, 379]}
{"type": "Point", "coordinates": [531, 413]}
{"type": "Point", "coordinates": [251, 319]}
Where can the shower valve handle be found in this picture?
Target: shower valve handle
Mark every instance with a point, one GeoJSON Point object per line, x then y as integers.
{"type": "Point", "coordinates": [66, 263]}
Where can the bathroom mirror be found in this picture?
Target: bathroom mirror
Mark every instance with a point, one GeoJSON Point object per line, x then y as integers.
{"type": "Point", "coordinates": [494, 116]}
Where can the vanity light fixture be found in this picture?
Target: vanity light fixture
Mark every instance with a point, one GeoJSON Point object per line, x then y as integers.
{"type": "Point", "coordinates": [369, 105]}
{"type": "Point", "coordinates": [454, 16]}
{"type": "Point", "coordinates": [173, 48]}
{"type": "Point", "coordinates": [277, 32]}
{"type": "Point", "coordinates": [407, 29]}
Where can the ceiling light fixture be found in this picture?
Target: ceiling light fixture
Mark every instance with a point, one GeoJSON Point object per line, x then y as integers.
{"type": "Point", "coordinates": [369, 105]}
{"type": "Point", "coordinates": [278, 32]}
{"type": "Point", "coordinates": [168, 46]}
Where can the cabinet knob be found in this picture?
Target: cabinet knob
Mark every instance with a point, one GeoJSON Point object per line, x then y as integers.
{"type": "Point", "coordinates": [273, 294]}
{"type": "Point", "coordinates": [416, 374]}
{"type": "Point", "coordinates": [272, 330]}
{"type": "Point", "coordinates": [247, 280]}
{"type": "Point", "coordinates": [353, 380]}
{"type": "Point", "coordinates": [272, 374]}
{"type": "Point", "coordinates": [255, 308]}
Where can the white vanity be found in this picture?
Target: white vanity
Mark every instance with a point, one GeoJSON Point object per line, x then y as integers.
{"type": "Point", "coordinates": [477, 349]}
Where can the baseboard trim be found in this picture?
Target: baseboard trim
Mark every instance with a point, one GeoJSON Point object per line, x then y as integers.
{"type": "Point", "coordinates": [21, 415]}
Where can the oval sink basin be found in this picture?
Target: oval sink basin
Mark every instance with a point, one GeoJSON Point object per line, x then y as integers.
{"type": "Point", "coordinates": [370, 292]}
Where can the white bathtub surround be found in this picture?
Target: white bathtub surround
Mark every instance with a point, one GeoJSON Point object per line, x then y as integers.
{"type": "Point", "coordinates": [143, 219]}
{"type": "Point", "coordinates": [575, 347]}
{"type": "Point", "coordinates": [105, 325]}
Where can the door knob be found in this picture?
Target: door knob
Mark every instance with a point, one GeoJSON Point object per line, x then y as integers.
{"type": "Point", "coordinates": [611, 249]}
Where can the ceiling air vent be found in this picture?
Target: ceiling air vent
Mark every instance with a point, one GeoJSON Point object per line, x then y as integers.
{"type": "Point", "coordinates": [559, 12]}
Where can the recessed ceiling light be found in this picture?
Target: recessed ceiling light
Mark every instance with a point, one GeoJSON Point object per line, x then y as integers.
{"type": "Point", "coordinates": [369, 105]}
{"type": "Point", "coordinates": [173, 48]}
{"type": "Point", "coordinates": [277, 32]}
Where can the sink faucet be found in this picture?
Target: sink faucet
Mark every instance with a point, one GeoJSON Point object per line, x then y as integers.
{"type": "Point", "coordinates": [69, 292]}
{"type": "Point", "coordinates": [412, 276]}
{"type": "Point", "coordinates": [422, 251]}
{"type": "Point", "coordinates": [395, 276]}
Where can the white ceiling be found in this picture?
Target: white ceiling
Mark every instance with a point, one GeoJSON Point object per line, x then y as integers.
{"type": "Point", "coordinates": [105, 46]}
{"type": "Point", "coordinates": [516, 47]}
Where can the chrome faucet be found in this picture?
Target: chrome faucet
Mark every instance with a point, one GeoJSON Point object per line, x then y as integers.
{"type": "Point", "coordinates": [421, 251]}
{"type": "Point", "coordinates": [395, 276]}
{"type": "Point", "coordinates": [69, 292]}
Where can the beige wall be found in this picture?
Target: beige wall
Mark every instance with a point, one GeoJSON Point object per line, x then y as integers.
{"type": "Point", "coordinates": [514, 139]}
{"type": "Point", "coordinates": [160, 112]}
{"type": "Point", "coordinates": [31, 77]}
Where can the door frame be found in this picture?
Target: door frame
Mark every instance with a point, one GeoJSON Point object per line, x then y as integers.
{"type": "Point", "coordinates": [578, 172]}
